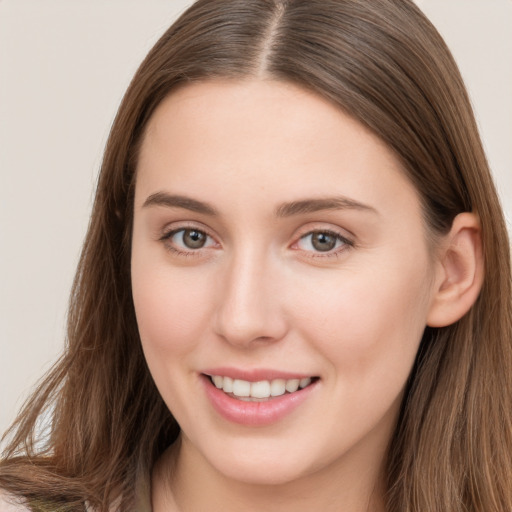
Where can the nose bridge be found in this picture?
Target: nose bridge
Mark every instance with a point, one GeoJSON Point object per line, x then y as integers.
{"type": "Point", "coordinates": [248, 306]}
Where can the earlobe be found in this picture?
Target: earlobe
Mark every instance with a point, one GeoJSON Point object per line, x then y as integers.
{"type": "Point", "coordinates": [460, 272]}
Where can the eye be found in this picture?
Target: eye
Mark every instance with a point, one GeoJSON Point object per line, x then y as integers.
{"type": "Point", "coordinates": [187, 240]}
{"type": "Point", "coordinates": [322, 241]}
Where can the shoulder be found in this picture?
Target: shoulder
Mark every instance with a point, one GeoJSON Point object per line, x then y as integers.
{"type": "Point", "coordinates": [9, 503]}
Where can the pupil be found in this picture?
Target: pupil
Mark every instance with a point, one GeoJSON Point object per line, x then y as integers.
{"type": "Point", "coordinates": [194, 239]}
{"type": "Point", "coordinates": [323, 242]}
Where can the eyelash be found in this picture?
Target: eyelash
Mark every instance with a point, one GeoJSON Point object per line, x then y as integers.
{"type": "Point", "coordinates": [335, 252]}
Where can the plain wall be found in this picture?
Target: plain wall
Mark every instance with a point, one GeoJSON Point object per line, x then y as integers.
{"type": "Point", "coordinates": [64, 66]}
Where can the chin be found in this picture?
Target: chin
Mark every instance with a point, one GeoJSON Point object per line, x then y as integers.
{"type": "Point", "coordinates": [260, 466]}
{"type": "Point", "coordinates": [261, 474]}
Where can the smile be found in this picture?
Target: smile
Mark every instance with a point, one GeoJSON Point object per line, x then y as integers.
{"type": "Point", "coordinates": [258, 401]}
{"type": "Point", "coordinates": [261, 390]}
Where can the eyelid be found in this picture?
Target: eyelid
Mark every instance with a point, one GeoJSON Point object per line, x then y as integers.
{"type": "Point", "coordinates": [324, 227]}
{"type": "Point", "coordinates": [173, 227]}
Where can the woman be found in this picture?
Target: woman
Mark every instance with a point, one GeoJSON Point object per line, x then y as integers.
{"type": "Point", "coordinates": [295, 290]}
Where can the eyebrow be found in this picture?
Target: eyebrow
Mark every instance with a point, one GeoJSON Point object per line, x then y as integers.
{"type": "Point", "coordinates": [177, 201]}
{"type": "Point", "coordinates": [316, 205]}
{"type": "Point", "coordinates": [284, 210]}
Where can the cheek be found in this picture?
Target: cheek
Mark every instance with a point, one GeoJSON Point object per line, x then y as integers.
{"type": "Point", "coordinates": [368, 324]}
{"type": "Point", "coordinates": [171, 309]}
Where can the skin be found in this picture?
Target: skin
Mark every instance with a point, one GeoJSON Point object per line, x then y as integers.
{"type": "Point", "coordinates": [259, 294]}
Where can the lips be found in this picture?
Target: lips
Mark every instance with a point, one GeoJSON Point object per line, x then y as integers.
{"type": "Point", "coordinates": [256, 398]}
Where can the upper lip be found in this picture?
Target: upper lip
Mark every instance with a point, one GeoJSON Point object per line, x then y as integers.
{"type": "Point", "coordinates": [255, 374]}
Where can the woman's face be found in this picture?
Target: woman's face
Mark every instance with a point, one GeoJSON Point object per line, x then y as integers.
{"type": "Point", "coordinates": [276, 243]}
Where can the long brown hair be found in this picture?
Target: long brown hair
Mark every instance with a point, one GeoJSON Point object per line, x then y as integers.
{"type": "Point", "coordinates": [382, 62]}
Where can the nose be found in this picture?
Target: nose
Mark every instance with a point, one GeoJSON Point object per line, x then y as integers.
{"type": "Point", "coordinates": [249, 308]}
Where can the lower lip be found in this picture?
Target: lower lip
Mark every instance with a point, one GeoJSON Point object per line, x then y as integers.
{"type": "Point", "coordinates": [255, 413]}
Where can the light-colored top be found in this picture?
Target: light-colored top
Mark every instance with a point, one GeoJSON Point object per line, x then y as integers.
{"type": "Point", "coordinates": [9, 504]}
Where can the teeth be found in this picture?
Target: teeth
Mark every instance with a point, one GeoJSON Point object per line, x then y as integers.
{"type": "Point", "coordinates": [303, 382]}
{"type": "Point", "coordinates": [261, 389]}
{"type": "Point", "coordinates": [277, 387]}
{"type": "Point", "coordinates": [228, 385]}
{"type": "Point", "coordinates": [241, 388]}
{"type": "Point", "coordinates": [292, 385]}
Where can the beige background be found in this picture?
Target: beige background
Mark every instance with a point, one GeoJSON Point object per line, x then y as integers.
{"type": "Point", "coordinates": [64, 65]}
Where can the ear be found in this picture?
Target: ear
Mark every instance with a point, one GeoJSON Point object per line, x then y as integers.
{"type": "Point", "coordinates": [460, 272]}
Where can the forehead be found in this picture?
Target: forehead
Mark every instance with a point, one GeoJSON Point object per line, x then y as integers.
{"type": "Point", "coordinates": [235, 138]}
{"type": "Point", "coordinates": [255, 108]}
